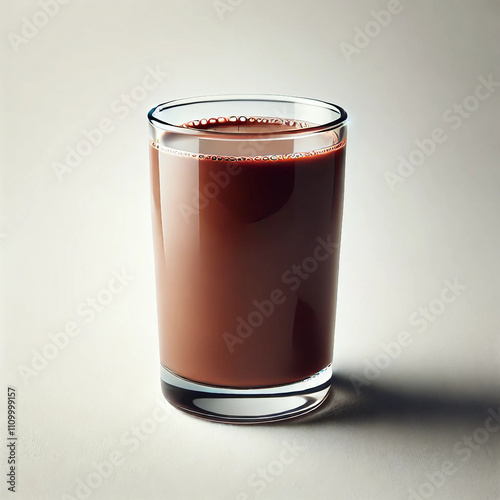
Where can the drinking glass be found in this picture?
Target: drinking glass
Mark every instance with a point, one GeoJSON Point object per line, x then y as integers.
{"type": "Point", "coordinates": [247, 197]}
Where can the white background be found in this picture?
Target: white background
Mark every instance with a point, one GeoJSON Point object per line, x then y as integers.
{"type": "Point", "coordinates": [63, 238]}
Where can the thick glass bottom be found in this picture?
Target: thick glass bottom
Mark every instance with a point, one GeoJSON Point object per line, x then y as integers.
{"type": "Point", "coordinates": [246, 406]}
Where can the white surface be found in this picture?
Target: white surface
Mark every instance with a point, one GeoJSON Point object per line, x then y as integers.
{"type": "Point", "coordinates": [64, 240]}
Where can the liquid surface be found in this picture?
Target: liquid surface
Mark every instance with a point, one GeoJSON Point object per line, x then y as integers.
{"type": "Point", "coordinates": [246, 260]}
{"type": "Point", "coordinates": [252, 124]}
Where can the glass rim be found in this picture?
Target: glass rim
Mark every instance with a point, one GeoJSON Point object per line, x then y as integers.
{"type": "Point", "coordinates": [277, 98]}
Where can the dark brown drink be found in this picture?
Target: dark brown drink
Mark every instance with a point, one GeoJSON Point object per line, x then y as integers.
{"type": "Point", "coordinates": [247, 250]}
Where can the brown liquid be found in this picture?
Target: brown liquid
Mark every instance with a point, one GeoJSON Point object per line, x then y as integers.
{"type": "Point", "coordinates": [232, 262]}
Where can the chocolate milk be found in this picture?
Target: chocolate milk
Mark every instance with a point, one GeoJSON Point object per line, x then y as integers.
{"type": "Point", "coordinates": [246, 252]}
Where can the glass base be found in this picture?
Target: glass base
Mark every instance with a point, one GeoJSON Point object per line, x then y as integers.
{"type": "Point", "coordinates": [246, 406]}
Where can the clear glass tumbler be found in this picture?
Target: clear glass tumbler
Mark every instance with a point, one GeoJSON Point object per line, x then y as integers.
{"type": "Point", "coordinates": [247, 196]}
